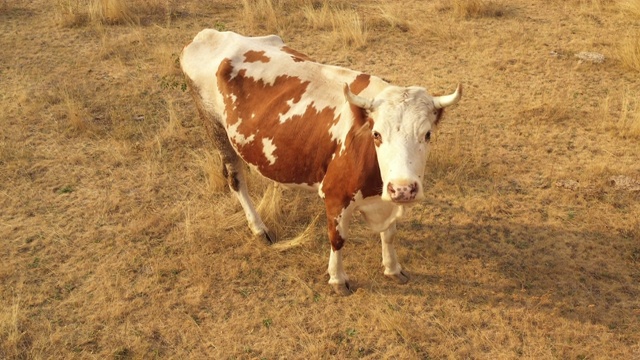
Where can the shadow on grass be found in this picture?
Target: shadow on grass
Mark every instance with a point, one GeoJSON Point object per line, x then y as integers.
{"type": "Point", "coordinates": [586, 276]}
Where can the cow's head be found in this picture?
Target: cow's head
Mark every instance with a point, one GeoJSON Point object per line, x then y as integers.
{"type": "Point", "coordinates": [403, 122]}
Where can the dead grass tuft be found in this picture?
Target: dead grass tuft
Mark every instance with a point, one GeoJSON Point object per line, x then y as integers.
{"type": "Point", "coordinates": [304, 237]}
{"type": "Point", "coordinates": [77, 116]}
{"type": "Point", "coordinates": [476, 9]}
{"type": "Point", "coordinates": [631, 7]}
{"type": "Point", "coordinates": [347, 26]}
{"type": "Point", "coordinates": [349, 29]}
{"type": "Point", "coordinates": [71, 14]}
{"type": "Point", "coordinates": [211, 167]}
{"type": "Point", "coordinates": [112, 12]}
{"type": "Point", "coordinates": [390, 15]}
{"type": "Point", "coordinates": [628, 51]}
{"type": "Point", "coordinates": [270, 208]}
{"type": "Point", "coordinates": [318, 16]}
{"type": "Point", "coordinates": [173, 128]}
{"type": "Point", "coordinates": [262, 15]}
{"type": "Point", "coordinates": [628, 124]}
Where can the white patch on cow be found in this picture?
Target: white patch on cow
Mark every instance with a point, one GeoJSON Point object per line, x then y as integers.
{"type": "Point", "coordinates": [379, 215]}
{"type": "Point", "coordinates": [402, 121]}
{"type": "Point", "coordinates": [320, 192]}
{"type": "Point", "coordinates": [268, 148]}
{"type": "Point", "coordinates": [294, 109]}
{"type": "Point", "coordinates": [336, 269]}
{"type": "Point", "coordinates": [389, 256]}
{"type": "Point", "coordinates": [341, 128]}
{"type": "Point", "coordinates": [344, 219]}
{"type": "Point", "coordinates": [238, 138]}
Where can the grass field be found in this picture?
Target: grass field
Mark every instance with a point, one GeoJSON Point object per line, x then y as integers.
{"type": "Point", "coordinates": [121, 241]}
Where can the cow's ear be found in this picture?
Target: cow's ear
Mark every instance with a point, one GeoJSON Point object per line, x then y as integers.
{"type": "Point", "coordinates": [439, 113]}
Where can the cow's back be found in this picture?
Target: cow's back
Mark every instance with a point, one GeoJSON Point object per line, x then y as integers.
{"type": "Point", "coordinates": [201, 58]}
{"type": "Point", "coordinates": [281, 111]}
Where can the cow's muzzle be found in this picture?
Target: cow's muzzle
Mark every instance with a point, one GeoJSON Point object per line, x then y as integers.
{"type": "Point", "coordinates": [403, 193]}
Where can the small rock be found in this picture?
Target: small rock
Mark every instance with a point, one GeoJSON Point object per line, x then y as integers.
{"type": "Point", "coordinates": [622, 182]}
{"type": "Point", "coordinates": [593, 57]}
{"type": "Point", "coordinates": [568, 184]}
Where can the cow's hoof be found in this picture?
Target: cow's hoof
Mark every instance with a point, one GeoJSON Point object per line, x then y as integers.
{"type": "Point", "coordinates": [400, 278]}
{"type": "Point", "coordinates": [268, 236]}
{"type": "Point", "coordinates": [342, 289]}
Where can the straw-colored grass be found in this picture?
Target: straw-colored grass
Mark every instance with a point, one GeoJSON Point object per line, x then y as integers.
{"type": "Point", "coordinates": [631, 7]}
{"type": "Point", "coordinates": [111, 12]}
{"type": "Point", "coordinates": [262, 15]}
{"type": "Point", "coordinates": [121, 239]}
{"type": "Point", "coordinates": [476, 8]}
{"type": "Point", "coordinates": [628, 51]}
{"type": "Point", "coordinates": [629, 122]}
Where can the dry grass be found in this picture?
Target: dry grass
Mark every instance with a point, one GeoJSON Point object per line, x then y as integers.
{"type": "Point", "coordinates": [349, 28]}
{"type": "Point", "coordinates": [346, 25]}
{"type": "Point", "coordinates": [71, 13]}
{"type": "Point", "coordinates": [111, 12]}
{"type": "Point", "coordinates": [631, 7]}
{"type": "Point", "coordinates": [629, 51]}
{"type": "Point", "coordinates": [263, 15]}
{"type": "Point", "coordinates": [76, 13]}
{"type": "Point", "coordinates": [77, 117]}
{"type": "Point", "coordinates": [121, 239]}
{"type": "Point", "coordinates": [476, 8]}
{"type": "Point", "coordinates": [628, 123]}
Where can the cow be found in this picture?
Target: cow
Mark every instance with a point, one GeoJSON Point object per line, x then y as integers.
{"type": "Point", "coordinates": [358, 141]}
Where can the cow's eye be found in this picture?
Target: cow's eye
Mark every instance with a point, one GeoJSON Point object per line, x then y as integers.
{"type": "Point", "coordinates": [377, 137]}
{"type": "Point", "coordinates": [427, 137]}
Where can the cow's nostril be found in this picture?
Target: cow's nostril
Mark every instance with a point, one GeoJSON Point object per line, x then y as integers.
{"type": "Point", "coordinates": [413, 188]}
{"type": "Point", "coordinates": [390, 189]}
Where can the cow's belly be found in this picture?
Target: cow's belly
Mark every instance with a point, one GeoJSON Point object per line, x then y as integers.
{"type": "Point", "coordinates": [294, 160]}
{"type": "Point", "coordinates": [288, 185]}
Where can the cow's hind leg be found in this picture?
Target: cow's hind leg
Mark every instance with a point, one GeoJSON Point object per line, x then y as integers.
{"type": "Point", "coordinates": [233, 171]}
{"type": "Point", "coordinates": [232, 168]}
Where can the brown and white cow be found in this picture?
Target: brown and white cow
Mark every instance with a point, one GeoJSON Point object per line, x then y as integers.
{"type": "Point", "coordinates": [358, 141]}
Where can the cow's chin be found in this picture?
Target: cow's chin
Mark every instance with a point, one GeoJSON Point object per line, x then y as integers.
{"type": "Point", "coordinates": [408, 203]}
{"type": "Point", "coordinates": [385, 197]}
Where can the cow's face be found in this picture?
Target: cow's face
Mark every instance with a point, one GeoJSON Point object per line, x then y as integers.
{"type": "Point", "coordinates": [404, 120]}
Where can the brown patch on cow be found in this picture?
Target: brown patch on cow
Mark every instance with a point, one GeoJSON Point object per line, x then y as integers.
{"type": "Point", "coordinates": [296, 55]}
{"type": "Point", "coordinates": [360, 83]}
{"type": "Point", "coordinates": [354, 170]}
{"type": "Point", "coordinates": [252, 56]}
{"type": "Point", "coordinates": [304, 149]}
{"type": "Point", "coordinates": [257, 109]}
{"type": "Point", "coordinates": [337, 242]}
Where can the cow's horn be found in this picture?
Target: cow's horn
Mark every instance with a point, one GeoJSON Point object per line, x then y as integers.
{"type": "Point", "coordinates": [356, 100]}
{"type": "Point", "coordinates": [448, 100]}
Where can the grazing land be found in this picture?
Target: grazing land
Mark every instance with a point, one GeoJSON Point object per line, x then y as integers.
{"type": "Point", "coordinates": [119, 238]}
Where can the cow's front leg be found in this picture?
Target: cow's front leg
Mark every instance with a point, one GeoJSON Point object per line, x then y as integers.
{"type": "Point", "coordinates": [338, 225]}
{"type": "Point", "coordinates": [390, 262]}
{"type": "Point", "coordinates": [381, 217]}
